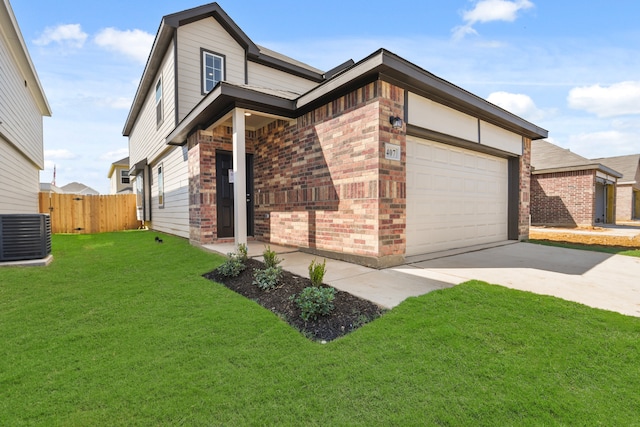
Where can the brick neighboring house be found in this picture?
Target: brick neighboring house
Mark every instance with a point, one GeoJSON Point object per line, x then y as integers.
{"type": "Point", "coordinates": [570, 190]}
{"type": "Point", "coordinates": [628, 187]}
{"type": "Point", "coordinates": [373, 161]}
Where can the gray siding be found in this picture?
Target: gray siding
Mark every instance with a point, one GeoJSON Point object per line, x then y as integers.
{"type": "Point", "coordinates": [263, 76]}
{"type": "Point", "coordinates": [173, 217]}
{"type": "Point", "coordinates": [18, 181]}
{"type": "Point", "coordinates": [204, 34]}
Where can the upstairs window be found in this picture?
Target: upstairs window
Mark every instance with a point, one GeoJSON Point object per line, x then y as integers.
{"type": "Point", "coordinates": [124, 176]}
{"type": "Point", "coordinates": [212, 70]}
{"type": "Point", "coordinates": [159, 112]}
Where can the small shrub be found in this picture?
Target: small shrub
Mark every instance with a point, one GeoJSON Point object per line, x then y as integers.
{"type": "Point", "coordinates": [243, 252]}
{"type": "Point", "coordinates": [232, 267]}
{"type": "Point", "coordinates": [316, 272]}
{"type": "Point", "coordinates": [267, 278]}
{"type": "Point", "coordinates": [270, 257]}
{"type": "Point", "coordinates": [315, 301]}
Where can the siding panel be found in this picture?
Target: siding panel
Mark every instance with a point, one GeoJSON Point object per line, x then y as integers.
{"type": "Point", "coordinates": [173, 217]}
{"type": "Point", "coordinates": [19, 184]}
{"type": "Point", "coordinates": [263, 76]}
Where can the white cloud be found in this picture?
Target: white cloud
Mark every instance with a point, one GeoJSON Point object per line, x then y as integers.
{"type": "Point", "coordinates": [607, 143]}
{"type": "Point", "coordinates": [135, 44]}
{"type": "Point", "coordinates": [489, 11]}
{"type": "Point", "coordinates": [518, 104]}
{"type": "Point", "coordinates": [615, 100]}
{"type": "Point", "coordinates": [69, 35]}
{"type": "Point", "coordinates": [61, 154]}
{"type": "Point", "coordinates": [115, 155]}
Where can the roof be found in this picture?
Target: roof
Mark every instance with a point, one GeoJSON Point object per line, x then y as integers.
{"type": "Point", "coordinates": [627, 165]}
{"type": "Point", "coordinates": [549, 158]}
{"type": "Point", "coordinates": [165, 35]}
{"type": "Point", "coordinates": [11, 31]}
{"type": "Point", "coordinates": [122, 162]}
{"type": "Point", "coordinates": [46, 186]}
{"type": "Point", "coordinates": [382, 64]}
{"type": "Point", "coordinates": [78, 188]}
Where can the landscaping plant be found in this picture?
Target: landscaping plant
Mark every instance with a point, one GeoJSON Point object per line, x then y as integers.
{"type": "Point", "coordinates": [268, 277]}
{"type": "Point", "coordinates": [316, 272]}
{"type": "Point", "coordinates": [270, 257]}
{"type": "Point", "coordinates": [315, 301]}
{"type": "Point", "coordinates": [235, 262]}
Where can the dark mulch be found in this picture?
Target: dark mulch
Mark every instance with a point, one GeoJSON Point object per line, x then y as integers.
{"type": "Point", "coordinates": [349, 314]}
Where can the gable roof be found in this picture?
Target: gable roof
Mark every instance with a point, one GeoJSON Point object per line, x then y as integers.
{"type": "Point", "coordinates": [549, 158]}
{"type": "Point", "coordinates": [627, 165]}
{"type": "Point", "coordinates": [255, 53]}
{"type": "Point", "coordinates": [122, 163]}
{"type": "Point", "coordinates": [10, 30]}
{"type": "Point", "coordinates": [78, 188]}
{"type": "Point", "coordinates": [381, 64]}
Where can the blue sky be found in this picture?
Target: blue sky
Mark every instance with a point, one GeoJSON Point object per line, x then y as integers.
{"type": "Point", "coordinates": [571, 67]}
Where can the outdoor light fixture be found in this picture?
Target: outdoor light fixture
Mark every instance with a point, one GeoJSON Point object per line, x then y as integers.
{"type": "Point", "coordinates": [396, 122]}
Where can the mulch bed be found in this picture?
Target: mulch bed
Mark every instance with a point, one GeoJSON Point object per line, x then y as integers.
{"type": "Point", "coordinates": [349, 314]}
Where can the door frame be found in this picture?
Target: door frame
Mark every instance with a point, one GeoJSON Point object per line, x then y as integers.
{"type": "Point", "coordinates": [249, 192]}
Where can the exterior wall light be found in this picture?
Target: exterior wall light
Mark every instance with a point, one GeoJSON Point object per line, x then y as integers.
{"type": "Point", "coordinates": [396, 122]}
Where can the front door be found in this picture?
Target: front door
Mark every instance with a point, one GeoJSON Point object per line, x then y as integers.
{"type": "Point", "coordinates": [224, 194]}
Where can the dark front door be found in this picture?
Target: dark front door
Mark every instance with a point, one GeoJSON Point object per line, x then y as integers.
{"type": "Point", "coordinates": [224, 191]}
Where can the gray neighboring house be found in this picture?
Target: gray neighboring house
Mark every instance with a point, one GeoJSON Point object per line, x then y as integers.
{"type": "Point", "coordinates": [79, 188]}
{"type": "Point", "coordinates": [568, 189]}
{"type": "Point", "coordinates": [119, 181]}
{"type": "Point", "coordinates": [23, 104]}
{"type": "Point", "coordinates": [628, 187]}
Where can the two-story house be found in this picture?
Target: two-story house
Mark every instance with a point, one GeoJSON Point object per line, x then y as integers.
{"type": "Point", "coordinates": [373, 161]}
{"type": "Point", "coordinates": [119, 181]}
{"type": "Point", "coordinates": [22, 107]}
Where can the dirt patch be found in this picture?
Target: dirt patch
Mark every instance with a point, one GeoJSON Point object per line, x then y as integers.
{"type": "Point", "coordinates": [594, 237]}
{"type": "Point", "coordinates": [349, 314]}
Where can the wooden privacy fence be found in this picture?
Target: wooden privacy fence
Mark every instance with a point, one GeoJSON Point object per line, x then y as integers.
{"type": "Point", "coordinates": [74, 213]}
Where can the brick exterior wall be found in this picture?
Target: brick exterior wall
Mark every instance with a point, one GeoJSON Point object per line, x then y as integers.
{"type": "Point", "coordinates": [524, 211]}
{"type": "Point", "coordinates": [323, 184]}
{"type": "Point", "coordinates": [624, 202]}
{"type": "Point", "coordinates": [563, 198]}
{"type": "Point", "coordinates": [202, 146]}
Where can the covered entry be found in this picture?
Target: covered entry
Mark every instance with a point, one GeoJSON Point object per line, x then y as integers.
{"type": "Point", "coordinates": [455, 197]}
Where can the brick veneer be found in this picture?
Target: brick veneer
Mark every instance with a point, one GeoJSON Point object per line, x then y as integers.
{"type": "Point", "coordinates": [563, 198]}
{"type": "Point", "coordinates": [524, 215]}
{"type": "Point", "coordinates": [323, 184]}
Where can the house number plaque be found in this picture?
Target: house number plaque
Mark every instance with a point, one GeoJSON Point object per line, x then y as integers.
{"type": "Point", "coordinates": [392, 151]}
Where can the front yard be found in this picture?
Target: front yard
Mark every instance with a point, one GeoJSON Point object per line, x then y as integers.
{"type": "Point", "coordinates": [121, 330]}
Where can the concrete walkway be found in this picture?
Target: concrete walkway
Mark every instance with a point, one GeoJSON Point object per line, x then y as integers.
{"type": "Point", "coordinates": [610, 282]}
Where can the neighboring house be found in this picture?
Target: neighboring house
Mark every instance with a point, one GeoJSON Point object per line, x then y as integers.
{"type": "Point", "coordinates": [570, 190]}
{"type": "Point", "coordinates": [372, 161]}
{"type": "Point", "coordinates": [47, 187]}
{"type": "Point", "coordinates": [119, 182]}
{"type": "Point", "coordinates": [22, 107]}
{"type": "Point", "coordinates": [79, 188]}
{"type": "Point", "coordinates": [628, 187]}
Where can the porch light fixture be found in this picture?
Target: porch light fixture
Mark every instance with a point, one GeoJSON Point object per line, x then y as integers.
{"type": "Point", "coordinates": [396, 122]}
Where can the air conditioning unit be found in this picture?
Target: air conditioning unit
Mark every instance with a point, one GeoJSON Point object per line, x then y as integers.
{"type": "Point", "coordinates": [24, 237]}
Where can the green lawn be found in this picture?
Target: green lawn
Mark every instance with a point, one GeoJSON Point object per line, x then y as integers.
{"type": "Point", "coordinates": [618, 250]}
{"type": "Point", "coordinates": [121, 330]}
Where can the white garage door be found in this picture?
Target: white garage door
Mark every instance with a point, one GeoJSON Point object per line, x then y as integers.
{"type": "Point", "coordinates": [455, 197]}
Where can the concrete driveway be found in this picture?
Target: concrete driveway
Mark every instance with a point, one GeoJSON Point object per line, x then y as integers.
{"type": "Point", "coordinates": [610, 282]}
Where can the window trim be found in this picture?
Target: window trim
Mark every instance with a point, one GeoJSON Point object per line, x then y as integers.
{"type": "Point", "coordinates": [160, 174]}
{"type": "Point", "coordinates": [203, 75]}
{"type": "Point", "coordinates": [122, 177]}
{"type": "Point", "coordinates": [159, 102]}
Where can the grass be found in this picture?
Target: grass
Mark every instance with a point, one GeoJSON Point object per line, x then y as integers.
{"type": "Point", "coordinates": [618, 250]}
{"type": "Point", "coordinates": [120, 330]}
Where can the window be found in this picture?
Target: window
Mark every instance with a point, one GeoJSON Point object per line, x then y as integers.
{"type": "Point", "coordinates": [124, 176]}
{"type": "Point", "coordinates": [159, 112]}
{"type": "Point", "coordinates": [212, 70]}
{"type": "Point", "coordinates": [160, 187]}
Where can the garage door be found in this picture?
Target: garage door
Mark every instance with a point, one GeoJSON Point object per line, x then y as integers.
{"type": "Point", "coordinates": [455, 197]}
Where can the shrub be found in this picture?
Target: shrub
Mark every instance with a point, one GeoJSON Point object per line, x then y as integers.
{"type": "Point", "coordinates": [270, 257]}
{"type": "Point", "coordinates": [316, 272]}
{"type": "Point", "coordinates": [267, 278]}
{"type": "Point", "coordinates": [315, 301]}
{"type": "Point", "coordinates": [232, 267]}
{"type": "Point", "coordinates": [243, 252]}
